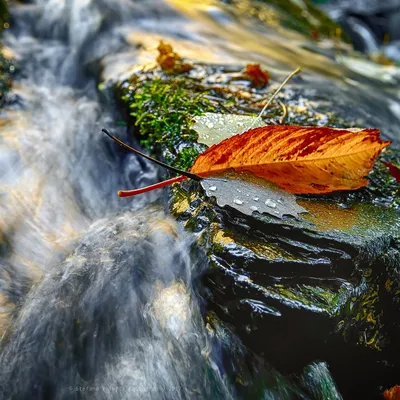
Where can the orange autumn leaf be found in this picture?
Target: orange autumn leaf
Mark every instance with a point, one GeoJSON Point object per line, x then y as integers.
{"type": "Point", "coordinates": [257, 76]}
{"type": "Point", "coordinates": [392, 393]}
{"type": "Point", "coordinates": [300, 160]}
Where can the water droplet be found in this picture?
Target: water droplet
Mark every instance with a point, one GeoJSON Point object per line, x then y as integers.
{"type": "Point", "coordinates": [270, 203]}
{"type": "Point", "coordinates": [280, 200]}
{"type": "Point", "coordinates": [239, 190]}
{"type": "Point", "coordinates": [212, 188]}
{"type": "Point", "coordinates": [237, 201]}
{"type": "Point", "coordinates": [209, 125]}
{"type": "Point", "coordinates": [256, 198]}
{"type": "Point", "coordinates": [253, 208]}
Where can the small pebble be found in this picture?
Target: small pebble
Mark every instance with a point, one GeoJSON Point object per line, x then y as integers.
{"type": "Point", "coordinates": [270, 203]}
{"type": "Point", "coordinates": [253, 208]}
{"type": "Point", "coordinates": [212, 188]}
{"type": "Point", "coordinates": [237, 201]}
{"type": "Point", "coordinates": [256, 198]}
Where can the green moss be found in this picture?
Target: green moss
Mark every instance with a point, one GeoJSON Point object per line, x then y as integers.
{"type": "Point", "coordinates": [163, 109]}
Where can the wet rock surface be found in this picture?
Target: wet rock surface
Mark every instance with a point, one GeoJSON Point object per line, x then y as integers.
{"type": "Point", "coordinates": [322, 286]}
{"type": "Point", "coordinates": [297, 292]}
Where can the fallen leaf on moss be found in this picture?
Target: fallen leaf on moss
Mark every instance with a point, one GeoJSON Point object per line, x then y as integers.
{"type": "Point", "coordinates": [392, 393]}
{"type": "Point", "coordinates": [394, 171]}
{"type": "Point", "coordinates": [170, 61]}
{"type": "Point", "coordinates": [301, 160]}
{"type": "Point", "coordinates": [258, 77]}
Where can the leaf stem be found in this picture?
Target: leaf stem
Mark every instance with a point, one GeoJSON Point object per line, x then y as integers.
{"type": "Point", "coordinates": [169, 167]}
{"type": "Point", "coordinates": [290, 76]}
{"type": "Point", "coordinates": [134, 192]}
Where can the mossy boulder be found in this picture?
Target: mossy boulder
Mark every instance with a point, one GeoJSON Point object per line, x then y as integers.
{"type": "Point", "coordinates": [323, 286]}
{"type": "Point", "coordinates": [302, 16]}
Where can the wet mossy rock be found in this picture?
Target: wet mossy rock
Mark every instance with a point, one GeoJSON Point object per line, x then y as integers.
{"type": "Point", "coordinates": [325, 286]}
{"type": "Point", "coordinates": [300, 15]}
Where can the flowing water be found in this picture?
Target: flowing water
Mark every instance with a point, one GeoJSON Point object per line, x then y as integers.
{"type": "Point", "coordinates": [98, 295]}
{"type": "Point", "coordinates": [111, 318]}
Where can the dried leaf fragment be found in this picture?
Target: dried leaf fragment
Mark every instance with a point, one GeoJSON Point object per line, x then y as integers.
{"type": "Point", "coordinates": [170, 61]}
{"type": "Point", "coordinates": [258, 77]}
{"type": "Point", "coordinates": [392, 393]}
{"type": "Point", "coordinates": [301, 160]}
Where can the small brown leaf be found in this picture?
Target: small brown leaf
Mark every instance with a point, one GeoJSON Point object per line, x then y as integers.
{"type": "Point", "coordinates": [258, 77]}
{"type": "Point", "coordinates": [170, 61]}
{"type": "Point", "coordinates": [392, 393]}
